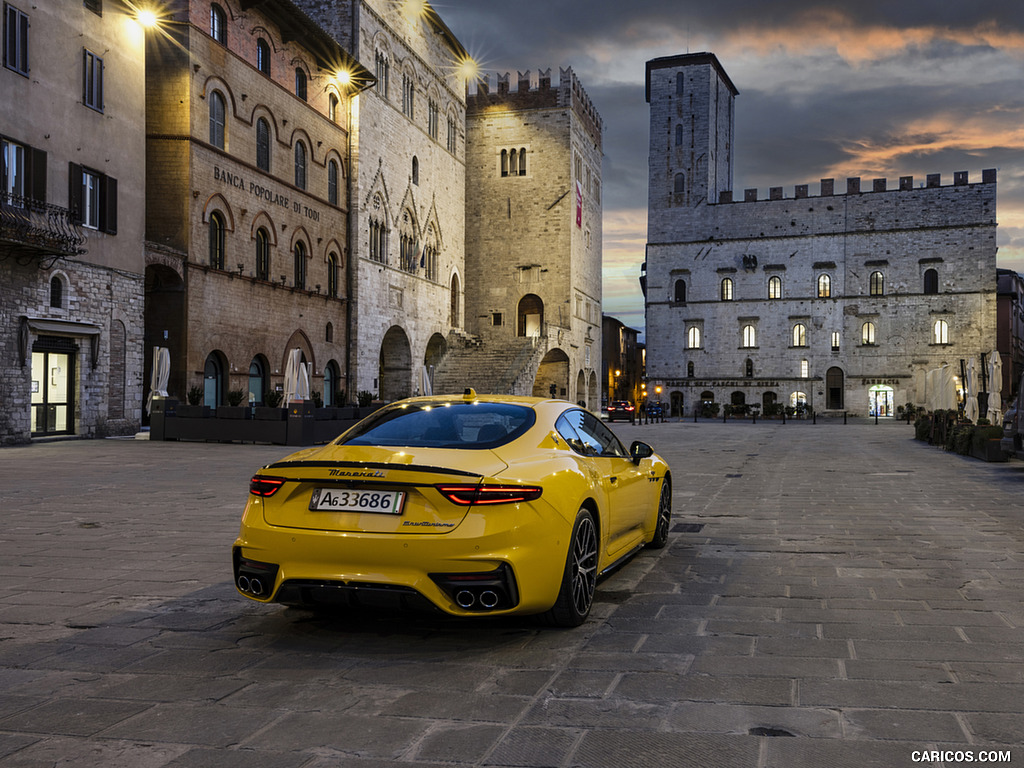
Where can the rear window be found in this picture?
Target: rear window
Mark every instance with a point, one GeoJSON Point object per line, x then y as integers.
{"type": "Point", "coordinates": [443, 425]}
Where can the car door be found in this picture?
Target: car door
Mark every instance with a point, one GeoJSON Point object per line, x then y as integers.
{"type": "Point", "coordinates": [621, 482]}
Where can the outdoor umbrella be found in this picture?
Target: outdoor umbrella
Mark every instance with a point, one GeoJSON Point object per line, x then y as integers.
{"type": "Point", "coordinates": [291, 374]}
{"type": "Point", "coordinates": [971, 391]}
{"type": "Point", "coordinates": [302, 387]}
{"type": "Point", "coordinates": [159, 376]}
{"type": "Point", "coordinates": [428, 387]}
{"type": "Point", "coordinates": [995, 383]}
{"type": "Point", "coordinates": [947, 391]}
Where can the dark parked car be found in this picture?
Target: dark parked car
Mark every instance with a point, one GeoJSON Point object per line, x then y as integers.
{"type": "Point", "coordinates": [621, 409]}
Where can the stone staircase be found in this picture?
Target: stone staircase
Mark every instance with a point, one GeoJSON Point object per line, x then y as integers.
{"type": "Point", "coordinates": [505, 368]}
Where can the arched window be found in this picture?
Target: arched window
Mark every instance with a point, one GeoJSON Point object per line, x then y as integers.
{"type": "Point", "coordinates": [679, 83]}
{"type": "Point", "coordinates": [263, 56]}
{"type": "Point", "coordinates": [263, 145]}
{"type": "Point", "coordinates": [56, 293]}
{"type": "Point", "coordinates": [213, 381]}
{"type": "Point", "coordinates": [726, 293]}
{"type": "Point", "coordinates": [332, 108]}
{"type": "Point", "coordinates": [332, 381]}
{"type": "Point", "coordinates": [415, 170]}
{"type": "Point", "coordinates": [876, 284]}
{"type": "Point", "coordinates": [931, 281]}
{"type": "Point", "coordinates": [749, 336]}
{"type": "Point", "coordinates": [867, 334]}
{"type": "Point", "coordinates": [678, 184]}
{"type": "Point", "coordinates": [332, 182]}
{"type": "Point", "coordinates": [799, 335]}
{"type": "Point", "coordinates": [680, 294]}
{"type": "Point", "coordinates": [940, 332]}
{"type": "Point", "coordinates": [300, 165]}
{"type": "Point", "coordinates": [257, 380]}
{"type": "Point", "coordinates": [679, 135]}
{"type": "Point", "coordinates": [216, 237]}
{"type": "Point", "coordinates": [262, 254]}
{"type": "Point", "coordinates": [217, 119]}
{"type": "Point", "coordinates": [835, 341]}
{"type": "Point", "coordinates": [218, 24]}
{"type": "Point", "coordinates": [522, 161]}
{"type": "Point", "coordinates": [300, 83]}
{"type": "Point", "coordinates": [824, 286]}
{"type": "Point", "coordinates": [329, 333]}
{"type": "Point", "coordinates": [504, 162]}
{"type": "Point", "coordinates": [300, 264]}
{"type": "Point", "coordinates": [693, 337]}
{"type": "Point", "coordinates": [775, 287]}
{"type": "Point", "coordinates": [332, 275]}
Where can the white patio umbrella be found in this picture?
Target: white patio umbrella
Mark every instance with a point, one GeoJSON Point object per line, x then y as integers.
{"type": "Point", "coordinates": [302, 388]}
{"type": "Point", "coordinates": [291, 375]}
{"type": "Point", "coordinates": [159, 376]}
{"type": "Point", "coordinates": [971, 391]}
{"type": "Point", "coordinates": [995, 384]}
{"type": "Point", "coordinates": [947, 389]}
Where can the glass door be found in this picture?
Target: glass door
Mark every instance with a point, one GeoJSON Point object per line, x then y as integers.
{"type": "Point", "coordinates": [52, 402]}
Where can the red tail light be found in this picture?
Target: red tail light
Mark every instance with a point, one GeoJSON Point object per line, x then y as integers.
{"type": "Point", "coordinates": [467, 495]}
{"type": "Point", "coordinates": [265, 486]}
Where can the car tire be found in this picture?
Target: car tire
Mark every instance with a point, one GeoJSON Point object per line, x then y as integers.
{"type": "Point", "coordinates": [663, 516]}
{"type": "Point", "coordinates": [576, 594]}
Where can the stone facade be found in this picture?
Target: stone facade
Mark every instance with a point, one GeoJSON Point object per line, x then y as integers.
{"type": "Point", "coordinates": [248, 248]}
{"type": "Point", "coordinates": [840, 301]}
{"type": "Point", "coordinates": [71, 239]}
{"type": "Point", "coordinates": [533, 248]}
{"type": "Point", "coordinates": [408, 191]}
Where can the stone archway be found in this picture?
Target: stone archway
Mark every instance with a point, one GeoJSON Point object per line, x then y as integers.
{"type": "Point", "coordinates": [395, 366]}
{"type": "Point", "coordinates": [437, 348]}
{"type": "Point", "coordinates": [530, 316]}
{"type": "Point", "coordinates": [552, 372]}
{"type": "Point", "coordinates": [593, 397]}
{"type": "Point", "coordinates": [165, 326]}
{"type": "Point", "coordinates": [581, 389]}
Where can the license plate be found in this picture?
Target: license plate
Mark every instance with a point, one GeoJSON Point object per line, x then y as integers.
{"type": "Point", "coordinates": [344, 500]}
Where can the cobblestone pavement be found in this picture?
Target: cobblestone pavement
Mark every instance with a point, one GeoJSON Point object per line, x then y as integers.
{"type": "Point", "coordinates": [832, 595]}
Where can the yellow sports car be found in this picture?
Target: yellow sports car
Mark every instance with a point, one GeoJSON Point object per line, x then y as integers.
{"type": "Point", "coordinates": [476, 505]}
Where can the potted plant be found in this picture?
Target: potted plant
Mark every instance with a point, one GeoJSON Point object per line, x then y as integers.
{"type": "Point", "coordinates": [234, 409]}
{"type": "Point", "coordinates": [271, 409]}
{"type": "Point", "coordinates": [195, 409]}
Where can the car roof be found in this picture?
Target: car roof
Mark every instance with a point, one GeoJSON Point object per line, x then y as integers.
{"type": "Point", "coordinates": [529, 402]}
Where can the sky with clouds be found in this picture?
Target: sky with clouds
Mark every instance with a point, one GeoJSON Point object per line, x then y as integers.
{"type": "Point", "coordinates": [869, 88]}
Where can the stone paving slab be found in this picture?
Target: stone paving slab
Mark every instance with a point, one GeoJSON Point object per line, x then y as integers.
{"type": "Point", "coordinates": [832, 595]}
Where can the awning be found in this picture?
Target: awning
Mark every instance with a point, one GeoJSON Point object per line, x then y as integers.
{"type": "Point", "coordinates": [50, 327]}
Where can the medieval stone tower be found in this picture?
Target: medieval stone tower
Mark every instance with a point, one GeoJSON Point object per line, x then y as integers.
{"type": "Point", "coordinates": [533, 234]}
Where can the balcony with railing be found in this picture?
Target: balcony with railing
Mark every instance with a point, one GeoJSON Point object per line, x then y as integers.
{"type": "Point", "coordinates": [30, 229]}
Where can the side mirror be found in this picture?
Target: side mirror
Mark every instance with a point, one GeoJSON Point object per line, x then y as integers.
{"type": "Point", "coordinates": [640, 450]}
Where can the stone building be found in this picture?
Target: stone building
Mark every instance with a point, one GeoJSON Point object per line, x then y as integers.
{"type": "Point", "coordinates": [1010, 331]}
{"type": "Point", "coordinates": [842, 302]}
{"type": "Point", "coordinates": [622, 362]}
{"type": "Point", "coordinates": [247, 245]}
{"type": "Point", "coordinates": [533, 239]}
{"type": "Point", "coordinates": [408, 181]}
{"type": "Point", "coordinates": [71, 219]}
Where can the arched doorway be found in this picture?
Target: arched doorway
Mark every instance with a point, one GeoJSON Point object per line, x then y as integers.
{"type": "Point", "coordinates": [677, 403]}
{"type": "Point", "coordinates": [213, 379]}
{"type": "Point", "coordinates": [437, 348]}
{"type": "Point", "coordinates": [593, 401]}
{"type": "Point", "coordinates": [259, 382]}
{"type": "Point", "coordinates": [165, 327]}
{"type": "Point", "coordinates": [530, 315]}
{"type": "Point", "coordinates": [834, 389]}
{"type": "Point", "coordinates": [552, 372]}
{"type": "Point", "coordinates": [581, 389]}
{"type": "Point", "coordinates": [395, 373]}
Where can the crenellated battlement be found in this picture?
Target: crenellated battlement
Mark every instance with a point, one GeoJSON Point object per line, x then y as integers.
{"type": "Point", "coordinates": [854, 187]}
{"type": "Point", "coordinates": [533, 93]}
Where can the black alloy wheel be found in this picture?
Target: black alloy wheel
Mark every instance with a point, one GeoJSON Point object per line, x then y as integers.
{"type": "Point", "coordinates": [664, 519]}
{"type": "Point", "coordinates": [576, 595]}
